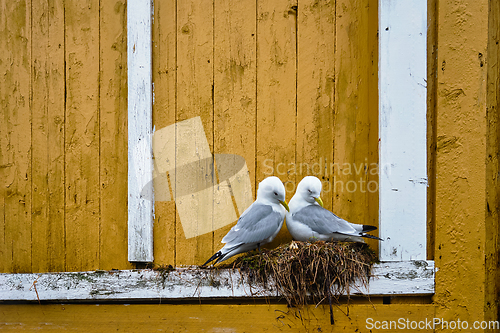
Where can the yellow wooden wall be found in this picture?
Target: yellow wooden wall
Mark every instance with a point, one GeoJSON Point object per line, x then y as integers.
{"type": "Point", "coordinates": [275, 79]}
{"type": "Point", "coordinates": [63, 142]}
{"type": "Point", "coordinates": [465, 99]}
{"type": "Point", "coordinates": [280, 86]}
{"type": "Point", "coordinates": [283, 86]}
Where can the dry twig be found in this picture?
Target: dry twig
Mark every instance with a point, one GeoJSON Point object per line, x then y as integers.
{"type": "Point", "coordinates": [309, 272]}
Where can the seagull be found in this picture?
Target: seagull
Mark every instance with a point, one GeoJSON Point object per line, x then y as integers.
{"type": "Point", "coordinates": [307, 220]}
{"type": "Point", "coordinates": [259, 223]}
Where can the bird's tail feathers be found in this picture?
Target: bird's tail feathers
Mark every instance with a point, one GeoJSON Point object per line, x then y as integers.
{"type": "Point", "coordinates": [370, 236]}
{"type": "Point", "coordinates": [367, 228]}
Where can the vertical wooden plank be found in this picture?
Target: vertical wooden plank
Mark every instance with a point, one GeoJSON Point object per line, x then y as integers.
{"type": "Point", "coordinates": [164, 109]}
{"type": "Point", "coordinates": [5, 163]}
{"type": "Point", "coordinates": [48, 137]}
{"type": "Point", "coordinates": [140, 168]}
{"type": "Point", "coordinates": [235, 97]}
{"type": "Point", "coordinates": [15, 163]}
{"type": "Point", "coordinates": [276, 94]}
{"type": "Point", "coordinates": [492, 283]}
{"type": "Point", "coordinates": [113, 134]}
{"type": "Point", "coordinates": [5, 263]}
{"type": "Point", "coordinates": [355, 185]}
{"type": "Point", "coordinates": [82, 135]}
{"type": "Point", "coordinates": [403, 130]}
{"type": "Point", "coordinates": [461, 197]}
{"type": "Point", "coordinates": [372, 160]}
{"type": "Point", "coordinates": [316, 93]}
{"type": "Point", "coordinates": [432, 70]}
{"type": "Point", "coordinates": [194, 98]}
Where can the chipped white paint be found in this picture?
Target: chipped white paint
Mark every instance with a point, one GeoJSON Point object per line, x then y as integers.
{"type": "Point", "coordinates": [388, 278]}
{"type": "Point", "coordinates": [402, 129]}
{"type": "Point", "coordinates": [403, 278]}
{"type": "Point", "coordinates": [140, 120]}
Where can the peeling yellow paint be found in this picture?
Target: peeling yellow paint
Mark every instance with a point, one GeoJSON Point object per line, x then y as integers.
{"type": "Point", "coordinates": [462, 242]}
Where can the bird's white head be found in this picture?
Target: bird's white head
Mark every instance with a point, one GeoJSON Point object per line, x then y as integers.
{"type": "Point", "coordinates": [272, 190]}
{"type": "Point", "coordinates": [309, 189]}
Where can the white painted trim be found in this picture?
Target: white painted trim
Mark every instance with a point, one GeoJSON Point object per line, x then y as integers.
{"type": "Point", "coordinates": [403, 179]}
{"type": "Point", "coordinates": [402, 129]}
{"type": "Point", "coordinates": [140, 124]}
{"type": "Point", "coordinates": [389, 278]}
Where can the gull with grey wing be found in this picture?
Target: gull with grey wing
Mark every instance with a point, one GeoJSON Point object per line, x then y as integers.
{"type": "Point", "coordinates": [259, 223]}
{"type": "Point", "coordinates": [308, 221]}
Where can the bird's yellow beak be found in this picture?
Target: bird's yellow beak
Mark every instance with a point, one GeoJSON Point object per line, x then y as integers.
{"type": "Point", "coordinates": [318, 200]}
{"type": "Point", "coordinates": [285, 205]}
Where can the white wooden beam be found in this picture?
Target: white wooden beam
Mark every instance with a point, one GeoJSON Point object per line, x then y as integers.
{"type": "Point", "coordinates": [402, 129]}
{"type": "Point", "coordinates": [389, 278]}
{"type": "Point", "coordinates": [140, 124]}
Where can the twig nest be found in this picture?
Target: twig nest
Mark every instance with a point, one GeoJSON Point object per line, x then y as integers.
{"type": "Point", "coordinates": [309, 272]}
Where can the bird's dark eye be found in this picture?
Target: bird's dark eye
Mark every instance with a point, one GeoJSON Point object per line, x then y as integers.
{"type": "Point", "coordinates": [310, 192]}
{"type": "Point", "coordinates": [276, 194]}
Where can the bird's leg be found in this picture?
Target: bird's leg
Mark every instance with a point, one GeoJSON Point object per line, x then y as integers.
{"type": "Point", "coordinates": [258, 248]}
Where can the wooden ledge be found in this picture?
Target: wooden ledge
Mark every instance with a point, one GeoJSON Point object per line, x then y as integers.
{"type": "Point", "coordinates": [388, 278]}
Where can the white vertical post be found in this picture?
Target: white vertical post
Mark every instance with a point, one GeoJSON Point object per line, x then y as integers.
{"type": "Point", "coordinates": [140, 115]}
{"type": "Point", "coordinates": [402, 129]}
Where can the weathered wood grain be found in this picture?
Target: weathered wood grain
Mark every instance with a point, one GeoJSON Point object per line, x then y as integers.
{"type": "Point", "coordinates": [388, 278]}
{"type": "Point", "coordinates": [276, 94]}
{"type": "Point", "coordinates": [492, 281]}
{"type": "Point", "coordinates": [195, 98]}
{"type": "Point", "coordinates": [372, 158]}
{"type": "Point", "coordinates": [461, 131]}
{"type": "Point", "coordinates": [355, 152]}
{"type": "Point", "coordinates": [48, 114]}
{"type": "Point", "coordinates": [164, 114]}
{"type": "Point", "coordinates": [113, 135]}
{"type": "Point", "coordinates": [316, 93]}
{"type": "Point", "coordinates": [82, 139]}
{"type": "Point", "coordinates": [432, 68]}
{"type": "Point", "coordinates": [15, 159]}
{"type": "Point", "coordinates": [262, 77]}
{"type": "Point", "coordinates": [235, 101]}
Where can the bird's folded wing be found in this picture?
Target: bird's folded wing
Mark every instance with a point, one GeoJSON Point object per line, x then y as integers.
{"type": "Point", "coordinates": [323, 221]}
{"type": "Point", "coordinates": [256, 224]}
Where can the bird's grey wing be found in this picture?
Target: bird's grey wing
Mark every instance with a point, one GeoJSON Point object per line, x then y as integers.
{"type": "Point", "coordinates": [322, 220]}
{"type": "Point", "coordinates": [256, 224]}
